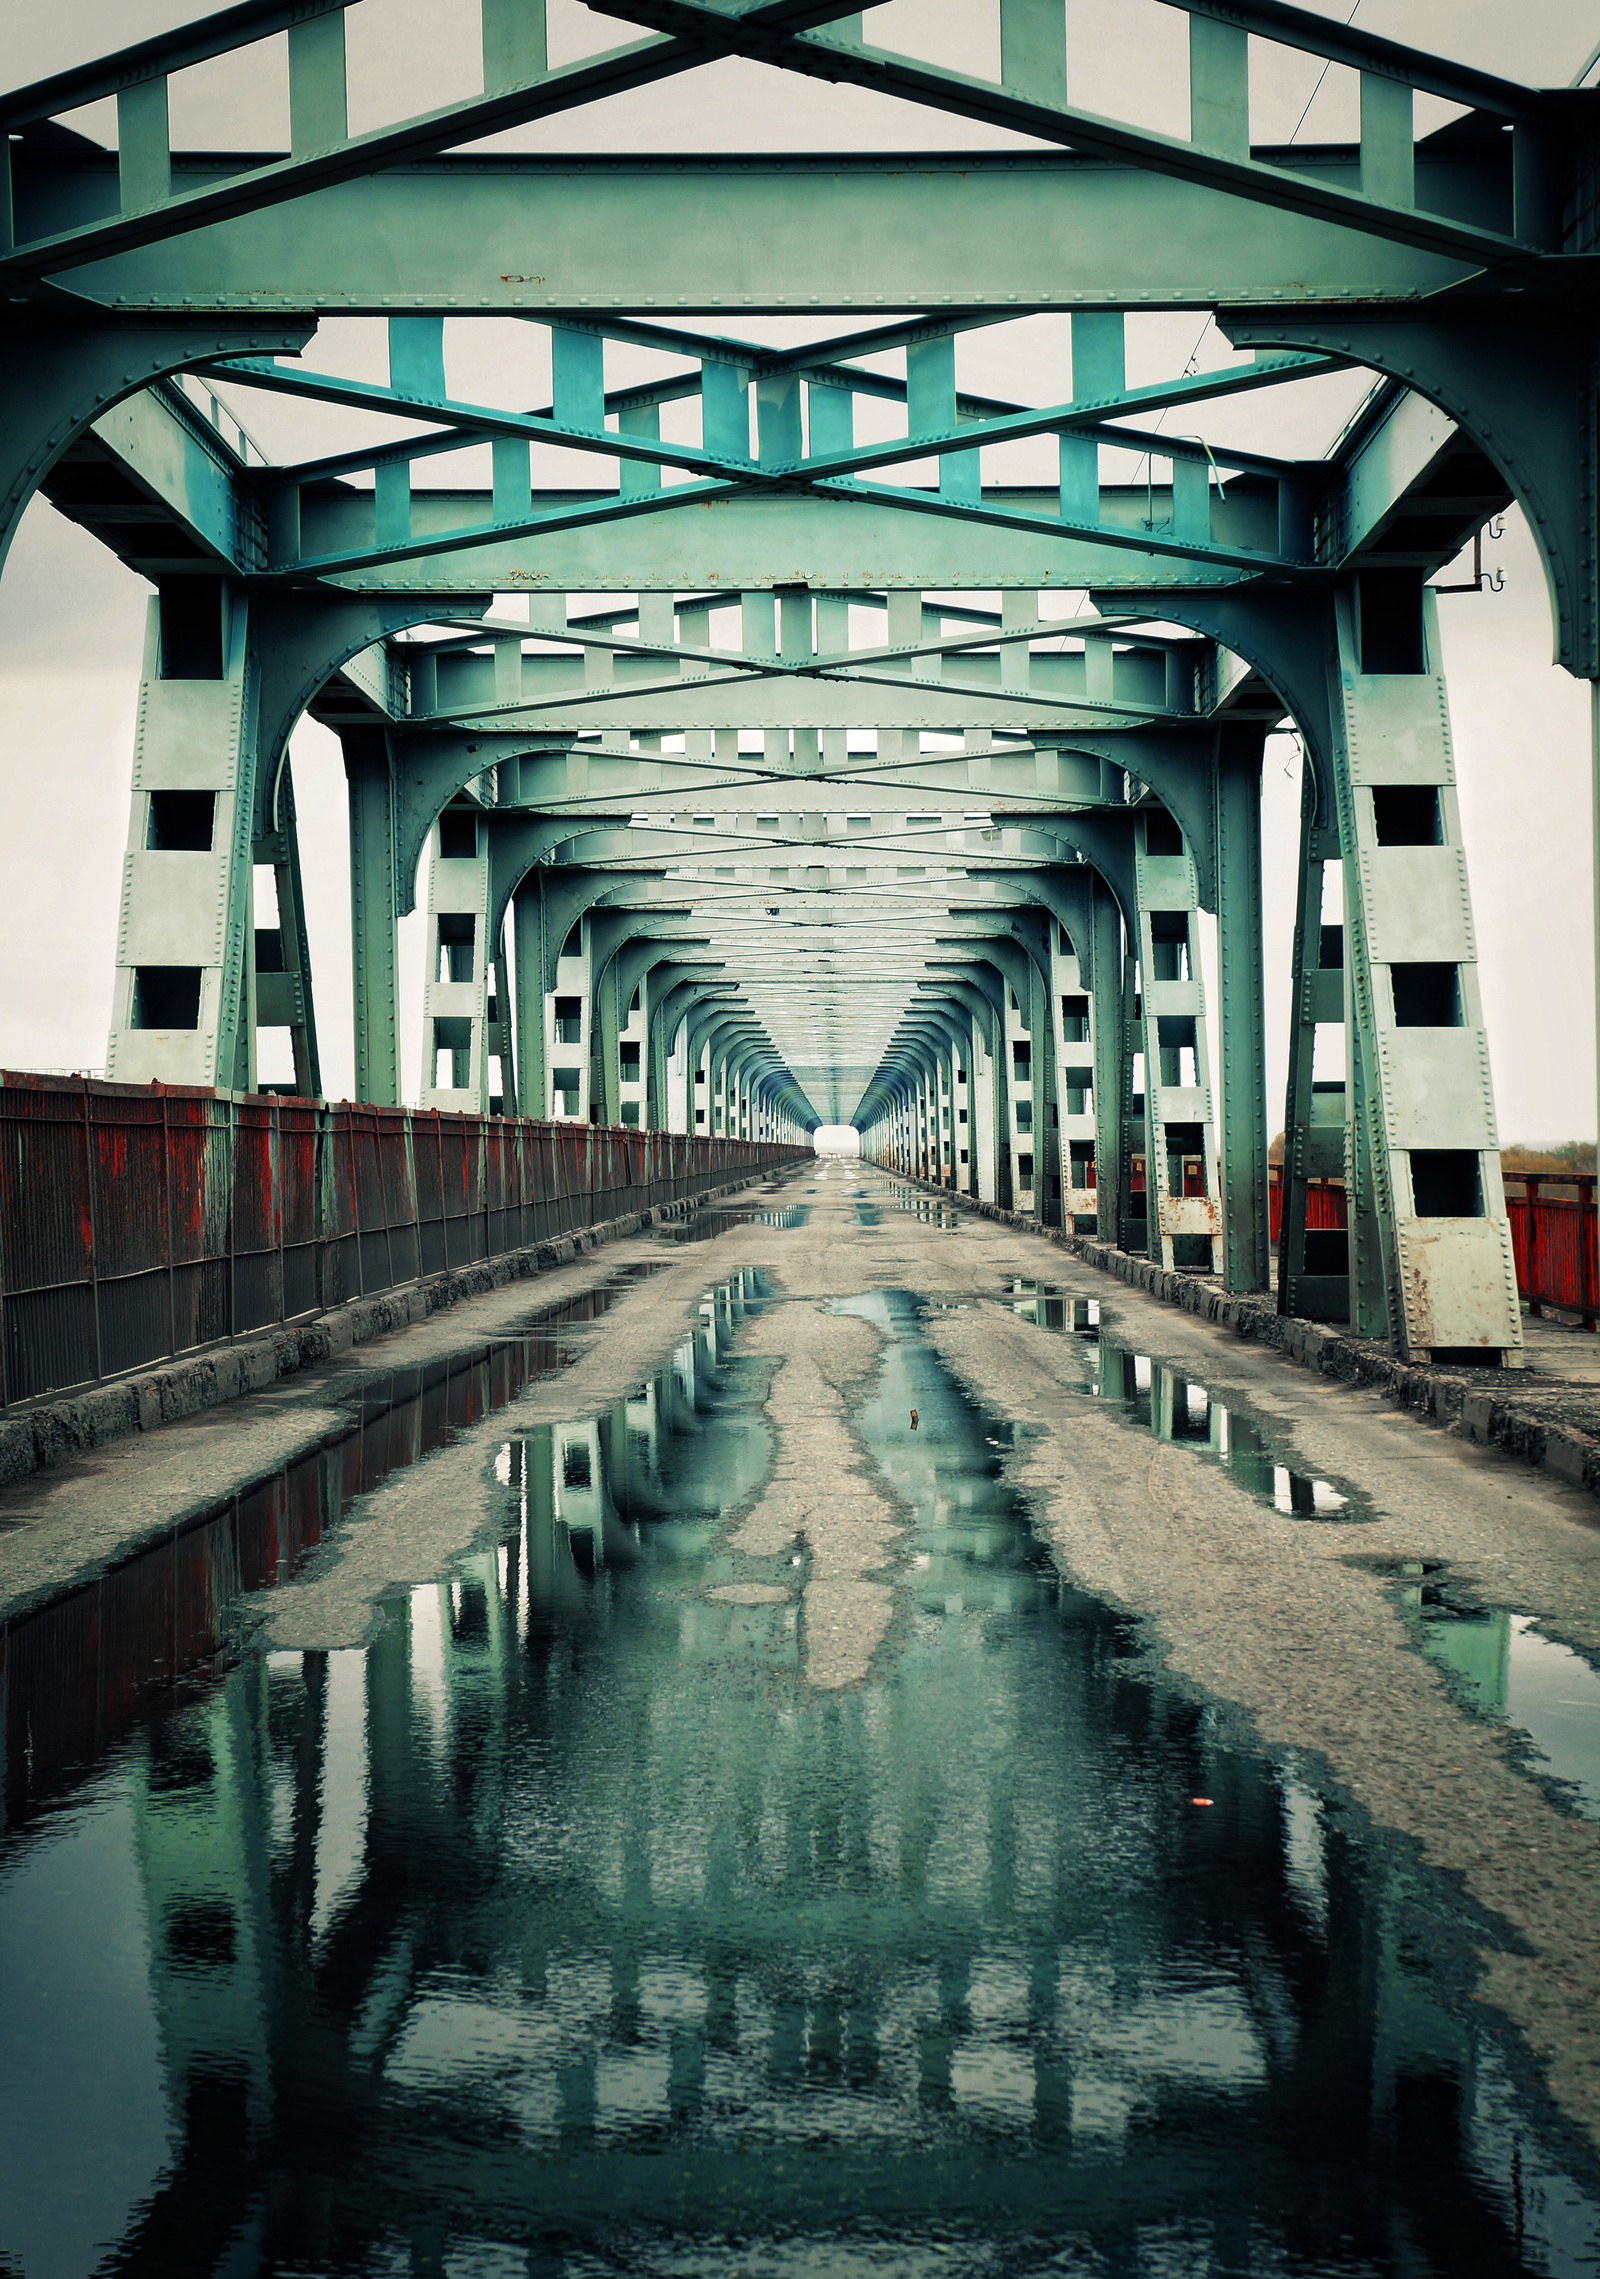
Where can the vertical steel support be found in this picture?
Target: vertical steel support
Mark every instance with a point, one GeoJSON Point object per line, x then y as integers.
{"type": "Point", "coordinates": [1134, 1230]}
{"type": "Point", "coordinates": [1425, 1162]}
{"type": "Point", "coordinates": [1594, 850]}
{"type": "Point", "coordinates": [1107, 983]}
{"type": "Point", "coordinates": [499, 1041]}
{"type": "Point", "coordinates": [1314, 1266]}
{"type": "Point", "coordinates": [282, 960]}
{"type": "Point", "coordinates": [1047, 1185]}
{"type": "Point", "coordinates": [374, 916]}
{"type": "Point", "coordinates": [455, 994]}
{"type": "Point", "coordinates": [1241, 1007]}
{"type": "Point", "coordinates": [1004, 1193]}
{"type": "Point", "coordinates": [528, 938]}
{"type": "Point", "coordinates": [182, 1001]}
{"type": "Point", "coordinates": [1183, 1228]}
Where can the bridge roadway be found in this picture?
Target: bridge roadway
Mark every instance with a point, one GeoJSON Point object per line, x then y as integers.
{"type": "Point", "coordinates": [1293, 1625]}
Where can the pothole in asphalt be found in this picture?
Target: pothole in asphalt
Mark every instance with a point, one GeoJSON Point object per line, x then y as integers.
{"type": "Point", "coordinates": [1501, 1667]}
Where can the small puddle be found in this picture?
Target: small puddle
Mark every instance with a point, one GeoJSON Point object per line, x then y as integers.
{"type": "Point", "coordinates": [706, 1225]}
{"type": "Point", "coordinates": [1177, 1409]}
{"type": "Point", "coordinates": [690, 1444]}
{"type": "Point", "coordinates": [1502, 1667]}
{"type": "Point", "coordinates": [1051, 1308]}
{"type": "Point", "coordinates": [933, 1210]}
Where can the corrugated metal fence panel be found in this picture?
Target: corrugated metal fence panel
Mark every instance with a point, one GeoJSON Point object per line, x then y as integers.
{"type": "Point", "coordinates": [46, 1241]}
{"type": "Point", "coordinates": [455, 1184]}
{"type": "Point", "coordinates": [1554, 1241]}
{"type": "Point", "coordinates": [399, 1200]}
{"type": "Point", "coordinates": [138, 1223]}
{"type": "Point", "coordinates": [257, 1290]}
{"type": "Point", "coordinates": [129, 1212]}
{"type": "Point", "coordinates": [199, 1182]}
{"type": "Point", "coordinates": [372, 1217]}
{"type": "Point", "coordinates": [1325, 1205]}
{"type": "Point", "coordinates": [427, 1160]}
{"type": "Point", "coordinates": [340, 1247]}
{"type": "Point", "coordinates": [300, 1144]}
{"type": "Point", "coordinates": [499, 1185]}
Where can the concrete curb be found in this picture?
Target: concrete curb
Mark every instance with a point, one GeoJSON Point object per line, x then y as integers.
{"type": "Point", "coordinates": [1455, 1399]}
{"type": "Point", "coordinates": [35, 1438]}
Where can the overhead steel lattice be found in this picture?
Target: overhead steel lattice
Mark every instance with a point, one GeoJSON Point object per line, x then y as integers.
{"type": "Point", "coordinates": [805, 635]}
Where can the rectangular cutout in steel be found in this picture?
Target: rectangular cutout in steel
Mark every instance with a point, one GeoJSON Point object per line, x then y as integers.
{"type": "Point", "coordinates": [191, 629]}
{"type": "Point", "coordinates": [1446, 1183]}
{"type": "Point", "coordinates": [1426, 996]}
{"type": "Point", "coordinates": [181, 822]}
{"type": "Point", "coordinates": [458, 835]}
{"type": "Point", "coordinates": [1407, 815]}
{"type": "Point", "coordinates": [1391, 621]}
{"type": "Point", "coordinates": [166, 996]}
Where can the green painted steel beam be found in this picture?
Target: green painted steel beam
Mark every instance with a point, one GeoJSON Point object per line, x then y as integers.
{"type": "Point", "coordinates": [492, 535]}
{"type": "Point", "coordinates": [842, 233]}
{"type": "Point", "coordinates": [1387, 477]}
{"type": "Point", "coordinates": [724, 537]}
{"type": "Point", "coordinates": [1234, 170]}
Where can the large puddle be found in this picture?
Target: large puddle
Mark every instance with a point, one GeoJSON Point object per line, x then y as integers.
{"type": "Point", "coordinates": [565, 1929]}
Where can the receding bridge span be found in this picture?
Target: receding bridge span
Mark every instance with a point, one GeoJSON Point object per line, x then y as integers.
{"type": "Point", "coordinates": [780, 720]}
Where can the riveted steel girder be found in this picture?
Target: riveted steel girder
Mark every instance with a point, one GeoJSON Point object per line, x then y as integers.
{"type": "Point", "coordinates": [846, 232]}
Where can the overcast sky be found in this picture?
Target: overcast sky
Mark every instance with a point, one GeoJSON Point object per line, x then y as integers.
{"type": "Point", "coordinates": [71, 619]}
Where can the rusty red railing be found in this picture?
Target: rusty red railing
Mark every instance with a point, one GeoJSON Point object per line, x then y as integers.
{"type": "Point", "coordinates": [1555, 1233]}
{"type": "Point", "coordinates": [138, 1223]}
{"type": "Point", "coordinates": [1554, 1240]}
{"type": "Point", "coordinates": [1324, 1203]}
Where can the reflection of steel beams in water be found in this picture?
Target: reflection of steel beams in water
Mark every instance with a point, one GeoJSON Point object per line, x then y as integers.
{"type": "Point", "coordinates": [1314, 2015]}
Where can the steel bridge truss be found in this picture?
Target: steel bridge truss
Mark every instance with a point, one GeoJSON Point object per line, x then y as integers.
{"type": "Point", "coordinates": [790, 733]}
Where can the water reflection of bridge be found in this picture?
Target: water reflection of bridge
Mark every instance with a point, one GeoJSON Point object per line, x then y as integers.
{"type": "Point", "coordinates": [553, 1914]}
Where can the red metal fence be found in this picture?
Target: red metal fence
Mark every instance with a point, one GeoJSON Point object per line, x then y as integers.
{"type": "Point", "coordinates": [1553, 1237]}
{"type": "Point", "coordinates": [1555, 1233]}
{"type": "Point", "coordinates": [1324, 1203]}
{"type": "Point", "coordinates": [140, 1222]}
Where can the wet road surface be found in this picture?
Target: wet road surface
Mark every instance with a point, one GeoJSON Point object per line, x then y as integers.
{"type": "Point", "coordinates": [857, 1749]}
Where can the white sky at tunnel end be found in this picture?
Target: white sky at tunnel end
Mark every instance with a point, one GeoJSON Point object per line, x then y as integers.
{"type": "Point", "coordinates": [71, 618]}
